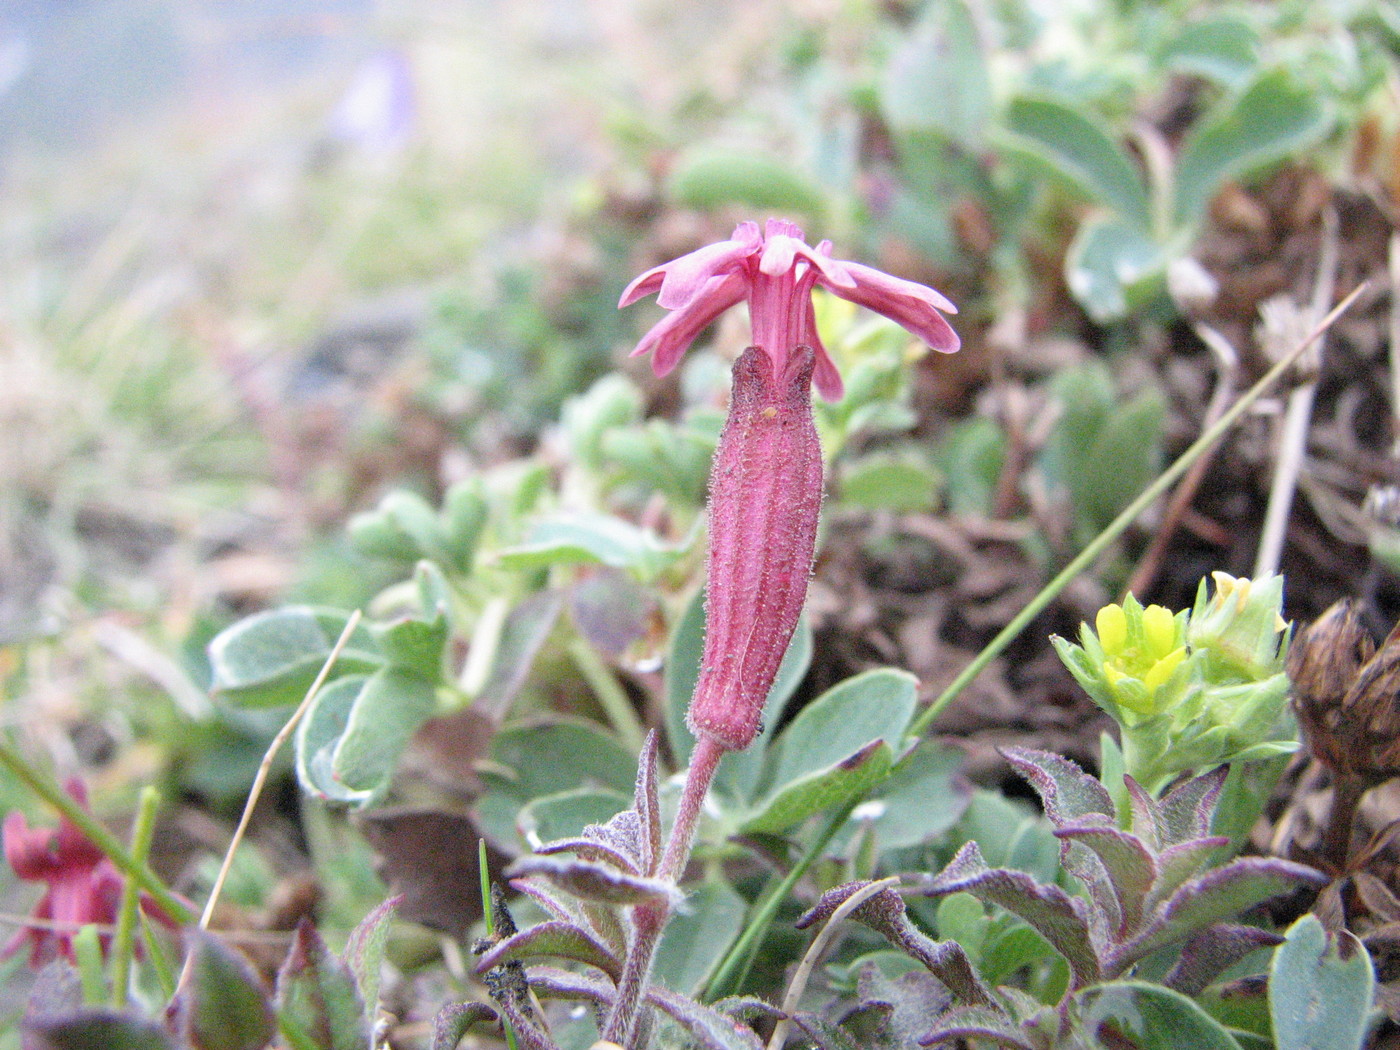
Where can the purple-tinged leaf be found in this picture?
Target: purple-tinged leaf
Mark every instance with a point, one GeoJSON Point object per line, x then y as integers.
{"type": "Point", "coordinates": [979, 1022]}
{"type": "Point", "coordinates": [1189, 809]}
{"type": "Point", "coordinates": [563, 984]}
{"type": "Point", "coordinates": [596, 882]}
{"type": "Point", "coordinates": [885, 914]}
{"type": "Point", "coordinates": [1213, 951]}
{"type": "Point", "coordinates": [562, 940]}
{"type": "Point", "coordinates": [90, 1029]}
{"type": "Point", "coordinates": [591, 849]}
{"type": "Point", "coordinates": [1176, 864]}
{"type": "Point", "coordinates": [317, 996]}
{"type": "Point", "coordinates": [223, 1006]}
{"type": "Point", "coordinates": [454, 1019]}
{"type": "Point", "coordinates": [526, 1029]}
{"type": "Point", "coordinates": [709, 1028]}
{"type": "Point", "coordinates": [1053, 913]}
{"type": "Point", "coordinates": [824, 1035]}
{"type": "Point", "coordinates": [647, 803]}
{"type": "Point", "coordinates": [1106, 914]}
{"type": "Point", "coordinates": [606, 923]}
{"type": "Point", "coordinates": [364, 952]}
{"type": "Point", "coordinates": [549, 902]}
{"type": "Point", "coordinates": [1216, 896]}
{"type": "Point", "coordinates": [747, 1008]}
{"type": "Point", "coordinates": [1145, 814]}
{"type": "Point", "coordinates": [1067, 792]}
{"type": "Point", "coordinates": [1128, 864]}
{"type": "Point", "coordinates": [915, 1000]}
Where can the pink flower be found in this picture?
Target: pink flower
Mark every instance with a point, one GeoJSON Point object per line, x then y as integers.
{"type": "Point", "coordinates": [766, 482]}
{"type": "Point", "coordinates": [84, 886]}
{"type": "Point", "coordinates": [776, 272]}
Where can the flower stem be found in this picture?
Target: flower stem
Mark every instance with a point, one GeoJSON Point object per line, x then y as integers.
{"type": "Point", "coordinates": [124, 944]}
{"type": "Point", "coordinates": [649, 920]}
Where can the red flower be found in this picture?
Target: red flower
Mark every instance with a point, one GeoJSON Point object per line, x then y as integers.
{"type": "Point", "coordinates": [84, 886]}
{"type": "Point", "coordinates": [766, 483]}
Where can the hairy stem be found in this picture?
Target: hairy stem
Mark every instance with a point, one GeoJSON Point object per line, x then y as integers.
{"type": "Point", "coordinates": [649, 921]}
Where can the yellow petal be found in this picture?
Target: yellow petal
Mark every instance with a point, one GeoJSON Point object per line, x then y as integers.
{"type": "Point", "coordinates": [1112, 626]}
{"type": "Point", "coordinates": [1159, 627]}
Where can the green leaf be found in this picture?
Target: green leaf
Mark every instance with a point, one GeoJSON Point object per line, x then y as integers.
{"type": "Point", "coordinates": [971, 455]}
{"type": "Point", "coordinates": [799, 798]}
{"type": "Point", "coordinates": [413, 644]}
{"type": "Point", "coordinates": [707, 178]}
{"type": "Point", "coordinates": [1274, 117]}
{"type": "Point", "coordinates": [464, 515]}
{"type": "Point", "coordinates": [593, 539]}
{"type": "Point", "coordinates": [317, 997]}
{"type": "Point", "coordinates": [545, 758]}
{"type": "Point", "coordinates": [698, 936]}
{"type": "Point", "coordinates": [554, 938]}
{"type": "Point", "coordinates": [1223, 47]}
{"type": "Point", "coordinates": [1148, 1017]}
{"type": "Point", "coordinates": [552, 817]}
{"type": "Point", "coordinates": [87, 1029]}
{"type": "Point", "coordinates": [882, 481]}
{"type": "Point", "coordinates": [271, 658]}
{"type": "Point", "coordinates": [364, 952]}
{"type": "Point", "coordinates": [1112, 267]}
{"type": "Point", "coordinates": [923, 797]}
{"type": "Point", "coordinates": [223, 1005]}
{"type": "Point", "coordinates": [874, 706]}
{"type": "Point", "coordinates": [1320, 989]}
{"type": "Point", "coordinates": [938, 81]}
{"type": "Point", "coordinates": [1082, 152]}
{"type": "Point", "coordinates": [349, 743]}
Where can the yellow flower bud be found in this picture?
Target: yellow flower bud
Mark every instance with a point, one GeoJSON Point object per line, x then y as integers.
{"type": "Point", "coordinates": [1159, 628]}
{"type": "Point", "coordinates": [1112, 626]}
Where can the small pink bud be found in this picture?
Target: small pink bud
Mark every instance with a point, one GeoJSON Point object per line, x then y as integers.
{"type": "Point", "coordinates": [765, 497]}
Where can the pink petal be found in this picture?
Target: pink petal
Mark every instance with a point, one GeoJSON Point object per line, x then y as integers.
{"type": "Point", "coordinates": [673, 334]}
{"type": "Point", "coordinates": [686, 277]}
{"type": "Point", "coordinates": [914, 306]}
{"type": "Point", "coordinates": [642, 285]}
{"type": "Point", "coordinates": [825, 376]}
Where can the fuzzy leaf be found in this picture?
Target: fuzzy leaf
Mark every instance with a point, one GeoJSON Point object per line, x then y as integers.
{"type": "Point", "coordinates": [1188, 810]}
{"type": "Point", "coordinates": [981, 1023]}
{"type": "Point", "coordinates": [1320, 989]}
{"type": "Point", "coordinates": [592, 539]}
{"type": "Point", "coordinates": [364, 952]}
{"type": "Point", "coordinates": [88, 1029]}
{"type": "Point", "coordinates": [545, 758]}
{"type": "Point", "coordinates": [317, 996]}
{"type": "Point", "coordinates": [1219, 894]}
{"type": "Point", "coordinates": [1176, 864]}
{"type": "Point", "coordinates": [1067, 792]}
{"type": "Point", "coordinates": [1213, 951]}
{"type": "Point", "coordinates": [915, 1001]}
{"type": "Point", "coordinates": [1053, 913]}
{"type": "Point", "coordinates": [1147, 1017]}
{"type": "Point", "coordinates": [709, 1028]}
{"type": "Point", "coordinates": [1127, 862]}
{"type": "Point", "coordinates": [561, 940]}
{"type": "Point", "coordinates": [224, 1005]}
{"type": "Point", "coordinates": [646, 800]}
{"type": "Point", "coordinates": [595, 882]}
{"type": "Point", "coordinates": [413, 644]}
{"type": "Point", "coordinates": [454, 1019]}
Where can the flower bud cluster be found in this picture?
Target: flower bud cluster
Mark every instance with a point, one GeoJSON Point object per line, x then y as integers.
{"type": "Point", "coordinates": [1191, 690]}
